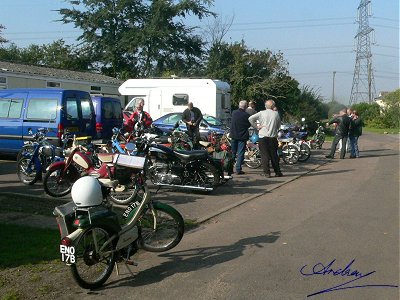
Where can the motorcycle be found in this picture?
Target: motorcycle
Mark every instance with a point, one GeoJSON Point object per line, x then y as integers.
{"type": "Point", "coordinates": [92, 239]}
{"type": "Point", "coordinates": [60, 176]}
{"type": "Point", "coordinates": [194, 170]}
{"type": "Point", "coordinates": [35, 156]}
{"type": "Point", "coordinates": [319, 137]}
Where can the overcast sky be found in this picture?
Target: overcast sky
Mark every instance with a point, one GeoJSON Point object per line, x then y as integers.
{"type": "Point", "coordinates": [315, 36]}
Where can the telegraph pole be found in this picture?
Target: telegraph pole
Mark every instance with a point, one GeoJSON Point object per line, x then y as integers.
{"type": "Point", "coordinates": [333, 86]}
{"type": "Point", "coordinates": [363, 88]}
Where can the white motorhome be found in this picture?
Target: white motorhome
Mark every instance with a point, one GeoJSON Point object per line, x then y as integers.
{"type": "Point", "coordinates": [164, 96]}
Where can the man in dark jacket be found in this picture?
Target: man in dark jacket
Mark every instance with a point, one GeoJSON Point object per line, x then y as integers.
{"type": "Point", "coordinates": [240, 134]}
{"type": "Point", "coordinates": [343, 122]}
{"type": "Point", "coordinates": [354, 133]}
{"type": "Point", "coordinates": [192, 117]}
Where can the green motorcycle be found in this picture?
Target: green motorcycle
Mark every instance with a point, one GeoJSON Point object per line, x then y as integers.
{"type": "Point", "coordinates": [94, 238]}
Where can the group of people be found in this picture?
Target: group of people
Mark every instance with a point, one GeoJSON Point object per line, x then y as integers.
{"type": "Point", "coordinates": [268, 123]}
{"type": "Point", "coordinates": [348, 127]}
{"type": "Point", "coordinates": [140, 120]}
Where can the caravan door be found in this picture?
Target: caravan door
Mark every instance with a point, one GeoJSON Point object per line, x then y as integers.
{"type": "Point", "coordinates": [155, 103]}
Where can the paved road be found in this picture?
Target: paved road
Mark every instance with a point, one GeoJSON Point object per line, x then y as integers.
{"type": "Point", "coordinates": [345, 210]}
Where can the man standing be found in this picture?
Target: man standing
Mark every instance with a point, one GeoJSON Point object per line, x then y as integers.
{"type": "Point", "coordinates": [343, 122]}
{"type": "Point", "coordinates": [192, 117]}
{"type": "Point", "coordinates": [240, 134]}
{"type": "Point", "coordinates": [251, 110]}
{"type": "Point", "coordinates": [268, 125]}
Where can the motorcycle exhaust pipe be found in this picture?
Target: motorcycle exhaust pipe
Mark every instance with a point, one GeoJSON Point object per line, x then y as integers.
{"type": "Point", "coordinates": [198, 188]}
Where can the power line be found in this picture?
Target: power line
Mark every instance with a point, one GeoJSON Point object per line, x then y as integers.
{"type": "Point", "coordinates": [293, 26]}
{"type": "Point", "coordinates": [291, 21]}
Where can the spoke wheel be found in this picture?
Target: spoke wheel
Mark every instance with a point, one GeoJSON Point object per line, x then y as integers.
{"type": "Point", "coordinates": [94, 264]}
{"type": "Point", "coordinates": [161, 228]}
{"type": "Point", "coordinates": [290, 154]}
{"type": "Point", "coordinates": [305, 152]}
{"type": "Point", "coordinates": [252, 158]}
{"type": "Point", "coordinates": [55, 185]}
{"type": "Point", "coordinates": [25, 174]}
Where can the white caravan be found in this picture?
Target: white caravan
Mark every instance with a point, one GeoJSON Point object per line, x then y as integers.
{"type": "Point", "coordinates": [162, 96]}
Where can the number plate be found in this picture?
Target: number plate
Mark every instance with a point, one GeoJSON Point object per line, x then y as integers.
{"type": "Point", "coordinates": [67, 254]}
{"type": "Point", "coordinates": [72, 129]}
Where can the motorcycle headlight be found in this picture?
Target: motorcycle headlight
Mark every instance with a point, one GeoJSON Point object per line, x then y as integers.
{"type": "Point", "coordinates": [47, 150]}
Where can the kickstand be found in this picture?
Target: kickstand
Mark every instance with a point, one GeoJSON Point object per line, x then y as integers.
{"type": "Point", "coordinates": [116, 268]}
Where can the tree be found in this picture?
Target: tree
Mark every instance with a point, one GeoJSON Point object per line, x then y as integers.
{"type": "Point", "coordinates": [138, 38]}
{"type": "Point", "coordinates": [2, 40]}
{"type": "Point", "coordinates": [54, 55]}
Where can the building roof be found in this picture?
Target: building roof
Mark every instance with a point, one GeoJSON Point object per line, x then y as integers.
{"type": "Point", "coordinates": [57, 73]}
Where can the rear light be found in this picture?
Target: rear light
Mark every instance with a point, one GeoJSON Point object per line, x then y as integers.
{"type": "Point", "coordinates": [99, 127]}
{"type": "Point", "coordinates": [76, 222]}
{"type": "Point", "coordinates": [60, 130]}
{"type": "Point", "coordinates": [66, 242]}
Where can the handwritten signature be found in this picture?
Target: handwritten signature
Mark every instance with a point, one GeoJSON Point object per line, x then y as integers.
{"type": "Point", "coordinates": [321, 269]}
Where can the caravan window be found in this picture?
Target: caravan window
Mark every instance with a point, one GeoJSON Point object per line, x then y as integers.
{"type": "Point", "coordinates": [180, 99]}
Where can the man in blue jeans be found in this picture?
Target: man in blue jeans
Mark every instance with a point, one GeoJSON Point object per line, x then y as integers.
{"type": "Point", "coordinates": [240, 134]}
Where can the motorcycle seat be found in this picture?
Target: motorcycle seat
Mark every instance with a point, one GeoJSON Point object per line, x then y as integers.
{"type": "Point", "coordinates": [189, 155]}
{"type": "Point", "coordinates": [105, 157]}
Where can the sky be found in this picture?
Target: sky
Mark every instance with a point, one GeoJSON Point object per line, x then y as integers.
{"type": "Point", "coordinates": [316, 37]}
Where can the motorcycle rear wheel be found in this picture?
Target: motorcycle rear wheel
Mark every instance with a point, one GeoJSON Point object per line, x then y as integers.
{"type": "Point", "coordinates": [25, 176]}
{"type": "Point", "coordinates": [91, 268]}
{"type": "Point", "coordinates": [208, 176]}
{"type": "Point", "coordinates": [161, 229]}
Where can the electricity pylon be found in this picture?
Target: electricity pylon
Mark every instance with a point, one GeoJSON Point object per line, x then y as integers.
{"type": "Point", "coordinates": [363, 88]}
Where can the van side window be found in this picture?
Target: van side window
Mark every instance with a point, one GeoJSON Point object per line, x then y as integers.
{"type": "Point", "coordinates": [10, 108]}
{"type": "Point", "coordinates": [180, 99]}
{"type": "Point", "coordinates": [72, 109]}
{"type": "Point", "coordinates": [42, 109]}
{"type": "Point", "coordinates": [86, 109]}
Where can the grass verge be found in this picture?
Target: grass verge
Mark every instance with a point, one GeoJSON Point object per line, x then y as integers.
{"type": "Point", "coordinates": [382, 130]}
{"type": "Point", "coordinates": [23, 245]}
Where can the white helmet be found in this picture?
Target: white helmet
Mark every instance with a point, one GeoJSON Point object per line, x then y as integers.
{"type": "Point", "coordinates": [86, 192]}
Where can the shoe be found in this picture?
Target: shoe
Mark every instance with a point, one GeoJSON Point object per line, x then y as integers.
{"type": "Point", "coordinates": [279, 174]}
{"type": "Point", "coordinates": [240, 172]}
{"type": "Point", "coordinates": [265, 175]}
{"type": "Point", "coordinates": [328, 156]}
{"type": "Point", "coordinates": [352, 157]}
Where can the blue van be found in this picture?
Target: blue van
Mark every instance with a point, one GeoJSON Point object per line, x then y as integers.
{"type": "Point", "coordinates": [108, 115]}
{"type": "Point", "coordinates": [56, 109]}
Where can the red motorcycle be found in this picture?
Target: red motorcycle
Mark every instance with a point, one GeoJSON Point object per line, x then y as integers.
{"type": "Point", "coordinates": [60, 176]}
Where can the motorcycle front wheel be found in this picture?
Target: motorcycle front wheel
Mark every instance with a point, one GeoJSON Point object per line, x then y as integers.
{"type": "Point", "coordinates": [27, 175]}
{"type": "Point", "coordinates": [290, 154]}
{"type": "Point", "coordinates": [161, 228]}
{"type": "Point", "coordinates": [305, 152]}
{"type": "Point", "coordinates": [94, 260]}
{"type": "Point", "coordinates": [57, 184]}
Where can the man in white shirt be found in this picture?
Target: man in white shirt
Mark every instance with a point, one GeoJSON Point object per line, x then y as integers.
{"type": "Point", "coordinates": [268, 125]}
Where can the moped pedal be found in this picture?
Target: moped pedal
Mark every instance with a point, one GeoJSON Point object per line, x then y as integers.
{"type": "Point", "coordinates": [131, 263]}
